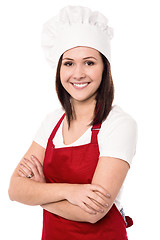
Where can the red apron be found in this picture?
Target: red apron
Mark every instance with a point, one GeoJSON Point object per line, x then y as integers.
{"type": "Point", "coordinates": [77, 165]}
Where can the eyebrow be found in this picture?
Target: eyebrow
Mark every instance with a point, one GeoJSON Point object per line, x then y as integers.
{"type": "Point", "coordinates": [83, 58]}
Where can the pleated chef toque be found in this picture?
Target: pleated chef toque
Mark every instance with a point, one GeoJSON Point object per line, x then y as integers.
{"type": "Point", "coordinates": [76, 26]}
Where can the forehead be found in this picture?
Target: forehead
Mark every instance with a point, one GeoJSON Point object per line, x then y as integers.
{"type": "Point", "coordinates": [81, 52]}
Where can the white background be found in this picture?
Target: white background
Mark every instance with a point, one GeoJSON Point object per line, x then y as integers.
{"type": "Point", "coordinates": [27, 95]}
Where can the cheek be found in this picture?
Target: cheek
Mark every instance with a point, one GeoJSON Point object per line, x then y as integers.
{"type": "Point", "coordinates": [64, 75]}
{"type": "Point", "coordinates": [100, 73]}
{"type": "Point", "coordinates": [97, 76]}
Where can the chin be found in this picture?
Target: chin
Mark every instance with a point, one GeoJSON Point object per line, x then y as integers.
{"type": "Point", "coordinates": [83, 100]}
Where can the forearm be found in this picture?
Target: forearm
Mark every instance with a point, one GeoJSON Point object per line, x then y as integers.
{"type": "Point", "coordinates": [68, 211]}
{"type": "Point", "coordinates": [72, 212]}
{"type": "Point", "coordinates": [30, 192]}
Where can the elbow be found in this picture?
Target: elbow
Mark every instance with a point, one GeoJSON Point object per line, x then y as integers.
{"type": "Point", "coordinates": [93, 221]}
{"type": "Point", "coordinates": [12, 190]}
{"type": "Point", "coordinates": [10, 194]}
{"type": "Point", "coordinates": [97, 217]}
{"type": "Point", "coordinates": [94, 218]}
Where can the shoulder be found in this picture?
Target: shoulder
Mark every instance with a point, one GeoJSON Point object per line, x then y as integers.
{"type": "Point", "coordinates": [116, 118]}
{"type": "Point", "coordinates": [53, 117]}
{"type": "Point", "coordinates": [118, 135]}
{"type": "Point", "coordinates": [46, 127]}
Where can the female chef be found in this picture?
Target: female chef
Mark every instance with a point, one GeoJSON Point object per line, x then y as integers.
{"type": "Point", "coordinates": [80, 156]}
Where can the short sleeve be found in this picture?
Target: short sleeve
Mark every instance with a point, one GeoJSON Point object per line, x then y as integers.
{"type": "Point", "coordinates": [41, 136]}
{"type": "Point", "coordinates": [118, 139]}
{"type": "Point", "coordinates": [46, 127]}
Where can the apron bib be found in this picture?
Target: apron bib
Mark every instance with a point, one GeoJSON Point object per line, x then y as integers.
{"type": "Point", "coordinates": [76, 165]}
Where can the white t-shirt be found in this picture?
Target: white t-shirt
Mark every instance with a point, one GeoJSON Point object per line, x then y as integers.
{"type": "Point", "coordinates": [117, 137]}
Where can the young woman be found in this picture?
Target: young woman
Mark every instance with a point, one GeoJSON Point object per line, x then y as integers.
{"type": "Point", "coordinates": [80, 156]}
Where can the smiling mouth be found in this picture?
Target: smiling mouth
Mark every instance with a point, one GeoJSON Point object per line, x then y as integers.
{"type": "Point", "coordinates": [80, 85]}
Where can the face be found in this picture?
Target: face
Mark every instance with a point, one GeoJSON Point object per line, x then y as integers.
{"type": "Point", "coordinates": [81, 73]}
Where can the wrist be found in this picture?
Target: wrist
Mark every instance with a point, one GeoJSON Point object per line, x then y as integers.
{"type": "Point", "coordinates": [65, 190]}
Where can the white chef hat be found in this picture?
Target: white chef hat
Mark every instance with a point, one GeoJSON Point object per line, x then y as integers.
{"type": "Point", "coordinates": [75, 26]}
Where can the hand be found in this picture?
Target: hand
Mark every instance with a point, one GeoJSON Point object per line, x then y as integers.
{"type": "Point", "coordinates": [90, 197]}
{"type": "Point", "coordinates": [31, 169]}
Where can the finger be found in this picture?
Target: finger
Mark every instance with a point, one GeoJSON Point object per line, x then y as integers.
{"type": "Point", "coordinates": [97, 194]}
{"type": "Point", "coordinates": [100, 189]}
{"type": "Point", "coordinates": [93, 205]}
{"type": "Point", "coordinates": [25, 170]}
{"type": "Point", "coordinates": [21, 173]}
{"type": "Point", "coordinates": [101, 195]}
{"type": "Point", "coordinates": [32, 166]}
{"type": "Point", "coordinates": [99, 199]}
{"type": "Point", "coordinates": [87, 209]}
{"type": "Point", "coordinates": [38, 164]}
{"type": "Point", "coordinates": [106, 201]}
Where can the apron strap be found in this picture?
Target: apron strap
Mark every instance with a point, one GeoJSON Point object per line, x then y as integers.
{"type": "Point", "coordinates": [56, 128]}
{"type": "Point", "coordinates": [95, 130]}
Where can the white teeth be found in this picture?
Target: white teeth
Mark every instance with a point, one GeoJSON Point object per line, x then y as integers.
{"type": "Point", "coordinates": [80, 85]}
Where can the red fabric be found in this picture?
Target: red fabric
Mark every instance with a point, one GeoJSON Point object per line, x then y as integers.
{"type": "Point", "coordinates": [77, 165]}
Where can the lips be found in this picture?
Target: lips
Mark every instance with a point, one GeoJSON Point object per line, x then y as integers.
{"type": "Point", "coordinates": [80, 85]}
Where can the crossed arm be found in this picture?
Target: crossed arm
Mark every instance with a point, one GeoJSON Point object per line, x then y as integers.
{"type": "Point", "coordinates": [70, 201]}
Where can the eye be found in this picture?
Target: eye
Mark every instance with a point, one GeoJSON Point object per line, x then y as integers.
{"type": "Point", "coordinates": [89, 63]}
{"type": "Point", "coordinates": [68, 64]}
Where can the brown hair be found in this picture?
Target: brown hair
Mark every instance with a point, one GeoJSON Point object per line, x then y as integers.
{"type": "Point", "coordinates": [104, 97]}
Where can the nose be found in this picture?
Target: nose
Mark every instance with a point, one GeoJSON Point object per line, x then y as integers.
{"type": "Point", "coordinates": [78, 73]}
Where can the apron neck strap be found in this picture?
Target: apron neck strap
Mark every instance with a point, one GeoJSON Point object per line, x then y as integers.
{"type": "Point", "coordinates": [95, 130]}
{"type": "Point", "coordinates": [56, 128]}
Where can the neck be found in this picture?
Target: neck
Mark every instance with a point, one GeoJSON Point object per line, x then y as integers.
{"type": "Point", "coordinates": [84, 111]}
